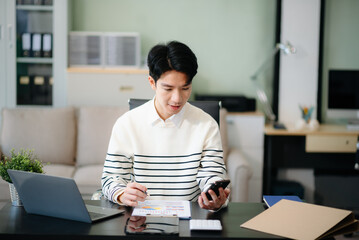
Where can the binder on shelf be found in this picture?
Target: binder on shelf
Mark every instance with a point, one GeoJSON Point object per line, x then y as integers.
{"type": "Point", "coordinates": [51, 80]}
{"type": "Point", "coordinates": [23, 95]}
{"type": "Point", "coordinates": [37, 2]}
{"type": "Point", "coordinates": [36, 45]}
{"type": "Point", "coordinates": [41, 91]}
{"type": "Point", "coordinates": [47, 2]}
{"type": "Point", "coordinates": [48, 86]}
{"type": "Point", "coordinates": [47, 45]}
{"type": "Point", "coordinates": [39, 80]}
{"type": "Point", "coordinates": [26, 44]}
{"type": "Point", "coordinates": [27, 2]}
{"type": "Point", "coordinates": [299, 220]}
{"type": "Point", "coordinates": [24, 80]}
{"type": "Point", "coordinates": [270, 200]}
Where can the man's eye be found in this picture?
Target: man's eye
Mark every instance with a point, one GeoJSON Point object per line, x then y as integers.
{"type": "Point", "coordinates": [185, 89]}
{"type": "Point", "coordinates": [168, 89]}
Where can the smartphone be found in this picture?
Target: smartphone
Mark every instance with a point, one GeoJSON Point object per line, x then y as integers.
{"type": "Point", "coordinates": [215, 187]}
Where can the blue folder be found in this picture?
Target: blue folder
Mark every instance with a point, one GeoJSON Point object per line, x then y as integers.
{"type": "Point", "coordinates": [270, 200]}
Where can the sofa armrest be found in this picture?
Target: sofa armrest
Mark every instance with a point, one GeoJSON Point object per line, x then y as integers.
{"type": "Point", "coordinates": [239, 172]}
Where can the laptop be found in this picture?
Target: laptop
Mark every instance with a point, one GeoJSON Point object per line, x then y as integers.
{"type": "Point", "coordinates": [56, 197]}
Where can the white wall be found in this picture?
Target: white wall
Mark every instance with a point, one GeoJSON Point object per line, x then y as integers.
{"type": "Point", "coordinates": [299, 72]}
{"type": "Point", "coordinates": [298, 81]}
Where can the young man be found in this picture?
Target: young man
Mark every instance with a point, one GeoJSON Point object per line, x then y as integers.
{"type": "Point", "coordinates": [166, 148]}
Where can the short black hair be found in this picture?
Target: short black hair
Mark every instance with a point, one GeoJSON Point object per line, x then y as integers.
{"type": "Point", "coordinates": [172, 56]}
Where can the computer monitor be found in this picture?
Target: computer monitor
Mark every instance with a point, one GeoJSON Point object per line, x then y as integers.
{"type": "Point", "coordinates": [343, 94]}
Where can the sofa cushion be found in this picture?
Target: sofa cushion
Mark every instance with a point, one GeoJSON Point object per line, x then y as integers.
{"type": "Point", "coordinates": [94, 131]}
{"type": "Point", "coordinates": [60, 170]}
{"type": "Point", "coordinates": [89, 175]}
{"type": "Point", "coordinates": [49, 131]}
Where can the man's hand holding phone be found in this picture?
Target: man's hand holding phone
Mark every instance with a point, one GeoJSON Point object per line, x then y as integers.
{"type": "Point", "coordinates": [213, 197]}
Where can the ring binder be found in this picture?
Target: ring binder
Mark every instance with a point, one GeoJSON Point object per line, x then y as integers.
{"type": "Point", "coordinates": [36, 45]}
{"type": "Point", "coordinates": [26, 44]}
{"type": "Point", "coordinates": [47, 45]}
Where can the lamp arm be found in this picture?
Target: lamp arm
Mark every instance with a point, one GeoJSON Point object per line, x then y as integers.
{"type": "Point", "coordinates": [265, 62]}
{"type": "Point", "coordinates": [262, 96]}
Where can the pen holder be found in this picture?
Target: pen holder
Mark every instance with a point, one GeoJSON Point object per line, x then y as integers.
{"type": "Point", "coordinates": [306, 122]}
{"type": "Point", "coordinates": [306, 113]}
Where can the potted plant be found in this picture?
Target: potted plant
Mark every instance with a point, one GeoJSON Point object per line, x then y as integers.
{"type": "Point", "coordinates": [24, 160]}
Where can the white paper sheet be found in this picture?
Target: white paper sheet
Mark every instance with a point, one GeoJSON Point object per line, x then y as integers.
{"type": "Point", "coordinates": [163, 208]}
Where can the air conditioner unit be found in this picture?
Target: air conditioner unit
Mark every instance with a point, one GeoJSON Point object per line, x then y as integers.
{"type": "Point", "coordinates": [106, 50]}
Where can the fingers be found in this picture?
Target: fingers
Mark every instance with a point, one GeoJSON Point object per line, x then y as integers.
{"type": "Point", "coordinates": [227, 191]}
{"type": "Point", "coordinates": [216, 202]}
{"type": "Point", "coordinates": [133, 193]}
{"type": "Point", "coordinates": [137, 186]}
{"type": "Point", "coordinates": [200, 202]}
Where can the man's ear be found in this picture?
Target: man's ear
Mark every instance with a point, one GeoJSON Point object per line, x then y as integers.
{"type": "Point", "coordinates": [152, 82]}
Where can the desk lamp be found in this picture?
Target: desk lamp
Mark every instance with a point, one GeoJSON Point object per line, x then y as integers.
{"type": "Point", "coordinates": [287, 49]}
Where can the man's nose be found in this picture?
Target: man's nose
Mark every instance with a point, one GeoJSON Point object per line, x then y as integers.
{"type": "Point", "coordinates": [176, 96]}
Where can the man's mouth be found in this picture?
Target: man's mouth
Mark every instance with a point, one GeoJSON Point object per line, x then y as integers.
{"type": "Point", "coordinates": [175, 107]}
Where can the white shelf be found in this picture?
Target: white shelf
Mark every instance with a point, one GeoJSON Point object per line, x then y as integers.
{"type": "Point", "coordinates": [34, 7]}
{"type": "Point", "coordinates": [34, 60]}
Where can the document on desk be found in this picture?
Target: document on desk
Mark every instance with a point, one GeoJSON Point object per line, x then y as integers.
{"type": "Point", "coordinates": [298, 220]}
{"type": "Point", "coordinates": [182, 209]}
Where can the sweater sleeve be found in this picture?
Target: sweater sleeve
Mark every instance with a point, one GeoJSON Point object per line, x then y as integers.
{"type": "Point", "coordinates": [118, 166]}
{"type": "Point", "coordinates": [212, 167]}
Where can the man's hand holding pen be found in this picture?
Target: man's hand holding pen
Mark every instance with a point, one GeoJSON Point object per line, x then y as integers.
{"type": "Point", "coordinates": [133, 193]}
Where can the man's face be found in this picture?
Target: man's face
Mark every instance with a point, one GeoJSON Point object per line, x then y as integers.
{"type": "Point", "coordinates": [172, 92]}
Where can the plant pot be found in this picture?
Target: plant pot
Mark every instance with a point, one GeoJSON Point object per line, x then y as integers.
{"type": "Point", "coordinates": [15, 199]}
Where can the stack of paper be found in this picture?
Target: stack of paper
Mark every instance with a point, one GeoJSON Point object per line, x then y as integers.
{"type": "Point", "coordinates": [300, 220]}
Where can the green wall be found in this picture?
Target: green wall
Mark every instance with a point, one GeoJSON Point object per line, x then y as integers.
{"type": "Point", "coordinates": [231, 38]}
{"type": "Point", "coordinates": [340, 43]}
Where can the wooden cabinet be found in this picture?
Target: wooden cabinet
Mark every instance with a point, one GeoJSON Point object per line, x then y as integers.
{"type": "Point", "coordinates": [99, 87]}
{"type": "Point", "coordinates": [245, 132]}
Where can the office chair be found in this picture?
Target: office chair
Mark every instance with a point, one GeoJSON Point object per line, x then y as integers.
{"type": "Point", "coordinates": [210, 107]}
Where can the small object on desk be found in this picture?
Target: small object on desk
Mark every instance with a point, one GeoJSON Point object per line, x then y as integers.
{"type": "Point", "coordinates": [278, 125]}
{"type": "Point", "coordinates": [205, 224]}
{"type": "Point", "coordinates": [270, 200]}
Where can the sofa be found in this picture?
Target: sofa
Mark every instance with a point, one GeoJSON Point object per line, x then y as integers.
{"type": "Point", "coordinates": [72, 142]}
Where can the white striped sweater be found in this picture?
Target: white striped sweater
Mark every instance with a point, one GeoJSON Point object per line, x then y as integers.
{"type": "Point", "coordinates": [174, 159]}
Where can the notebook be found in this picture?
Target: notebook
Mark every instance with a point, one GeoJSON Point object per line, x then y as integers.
{"type": "Point", "coordinates": [270, 200]}
{"type": "Point", "coordinates": [56, 197]}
